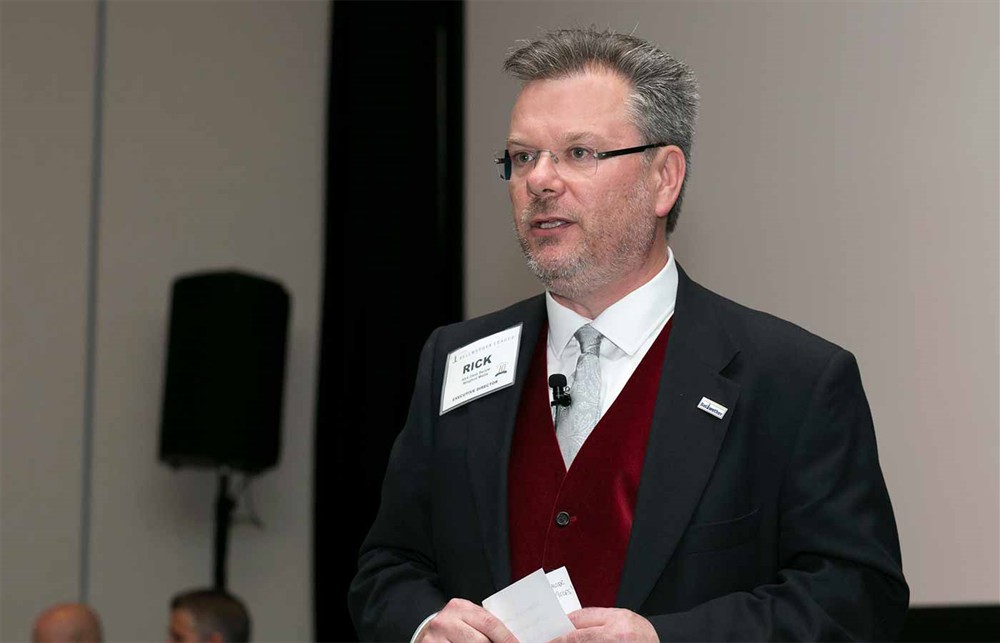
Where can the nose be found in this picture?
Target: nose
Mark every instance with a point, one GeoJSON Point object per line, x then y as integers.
{"type": "Point", "coordinates": [543, 179]}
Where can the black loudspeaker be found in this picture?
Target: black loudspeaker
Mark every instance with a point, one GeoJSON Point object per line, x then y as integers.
{"type": "Point", "coordinates": [225, 372]}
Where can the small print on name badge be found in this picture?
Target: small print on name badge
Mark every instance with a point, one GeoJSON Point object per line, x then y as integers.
{"type": "Point", "coordinates": [485, 366]}
{"type": "Point", "coordinates": [712, 408]}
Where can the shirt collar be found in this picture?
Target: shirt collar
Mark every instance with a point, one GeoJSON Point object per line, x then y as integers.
{"type": "Point", "coordinates": [628, 322]}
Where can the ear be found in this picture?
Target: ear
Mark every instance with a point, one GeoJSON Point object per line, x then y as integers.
{"type": "Point", "coordinates": [667, 176]}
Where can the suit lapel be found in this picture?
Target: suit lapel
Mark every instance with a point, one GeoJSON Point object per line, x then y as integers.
{"type": "Point", "coordinates": [491, 429]}
{"type": "Point", "coordinates": [684, 440]}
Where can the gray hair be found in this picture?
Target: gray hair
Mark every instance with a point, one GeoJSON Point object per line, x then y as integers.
{"type": "Point", "coordinates": [663, 103]}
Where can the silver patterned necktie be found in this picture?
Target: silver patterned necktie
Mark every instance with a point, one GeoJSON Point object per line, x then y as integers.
{"type": "Point", "coordinates": [576, 422]}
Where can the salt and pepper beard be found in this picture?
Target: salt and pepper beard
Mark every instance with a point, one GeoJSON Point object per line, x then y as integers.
{"type": "Point", "coordinates": [581, 275]}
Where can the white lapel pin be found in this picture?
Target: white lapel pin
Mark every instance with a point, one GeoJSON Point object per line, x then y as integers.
{"type": "Point", "coordinates": [712, 408]}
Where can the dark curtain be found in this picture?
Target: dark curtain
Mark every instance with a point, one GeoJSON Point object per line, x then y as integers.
{"type": "Point", "coordinates": [393, 258]}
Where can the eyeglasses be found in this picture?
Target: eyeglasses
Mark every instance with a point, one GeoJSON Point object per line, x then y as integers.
{"type": "Point", "coordinates": [578, 161]}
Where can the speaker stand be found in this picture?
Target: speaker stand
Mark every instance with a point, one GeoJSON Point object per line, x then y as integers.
{"type": "Point", "coordinates": [223, 511]}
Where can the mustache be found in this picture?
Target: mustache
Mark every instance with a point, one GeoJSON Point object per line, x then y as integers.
{"type": "Point", "coordinates": [537, 207]}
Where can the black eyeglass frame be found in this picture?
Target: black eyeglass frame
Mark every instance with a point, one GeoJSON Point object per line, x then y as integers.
{"type": "Point", "coordinates": [507, 165]}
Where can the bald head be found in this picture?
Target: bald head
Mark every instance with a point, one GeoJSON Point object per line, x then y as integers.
{"type": "Point", "coordinates": [67, 623]}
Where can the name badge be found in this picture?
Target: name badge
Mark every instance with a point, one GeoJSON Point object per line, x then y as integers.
{"type": "Point", "coordinates": [712, 408]}
{"type": "Point", "coordinates": [485, 366]}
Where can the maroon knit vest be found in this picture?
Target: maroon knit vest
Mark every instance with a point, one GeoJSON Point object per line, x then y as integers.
{"type": "Point", "coordinates": [598, 493]}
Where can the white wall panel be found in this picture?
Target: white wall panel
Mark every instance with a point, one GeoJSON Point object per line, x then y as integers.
{"type": "Point", "coordinates": [46, 124]}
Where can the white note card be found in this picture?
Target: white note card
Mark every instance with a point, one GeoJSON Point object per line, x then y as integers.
{"type": "Point", "coordinates": [480, 368]}
{"type": "Point", "coordinates": [564, 590]}
{"type": "Point", "coordinates": [530, 609]}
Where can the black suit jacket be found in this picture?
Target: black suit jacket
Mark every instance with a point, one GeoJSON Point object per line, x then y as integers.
{"type": "Point", "coordinates": [772, 523]}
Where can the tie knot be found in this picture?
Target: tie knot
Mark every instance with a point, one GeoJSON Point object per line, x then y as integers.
{"type": "Point", "coordinates": [590, 340]}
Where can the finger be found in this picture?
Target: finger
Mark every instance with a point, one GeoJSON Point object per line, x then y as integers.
{"type": "Point", "coordinates": [581, 636]}
{"type": "Point", "coordinates": [462, 620]}
{"type": "Point", "coordinates": [591, 617]}
{"type": "Point", "coordinates": [451, 631]}
{"type": "Point", "coordinates": [490, 625]}
{"type": "Point", "coordinates": [450, 624]}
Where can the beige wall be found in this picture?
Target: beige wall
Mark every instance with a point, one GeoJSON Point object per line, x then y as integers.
{"type": "Point", "coordinates": [213, 145]}
{"type": "Point", "coordinates": [46, 124]}
{"type": "Point", "coordinates": [846, 178]}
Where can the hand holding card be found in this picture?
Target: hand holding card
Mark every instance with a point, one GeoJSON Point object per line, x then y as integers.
{"type": "Point", "coordinates": [535, 608]}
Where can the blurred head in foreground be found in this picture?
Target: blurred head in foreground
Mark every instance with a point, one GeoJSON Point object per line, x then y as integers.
{"type": "Point", "coordinates": [208, 616]}
{"type": "Point", "coordinates": [67, 623]}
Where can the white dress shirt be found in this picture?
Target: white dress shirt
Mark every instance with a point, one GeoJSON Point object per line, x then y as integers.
{"type": "Point", "coordinates": [629, 326]}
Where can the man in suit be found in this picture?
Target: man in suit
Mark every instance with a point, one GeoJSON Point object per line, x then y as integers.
{"type": "Point", "coordinates": [715, 475]}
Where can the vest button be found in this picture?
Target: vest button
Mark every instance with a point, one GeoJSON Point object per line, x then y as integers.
{"type": "Point", "coordinates": [562, 518]}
